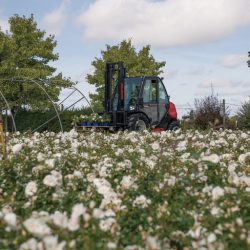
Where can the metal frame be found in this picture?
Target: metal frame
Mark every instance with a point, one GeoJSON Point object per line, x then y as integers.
{"type": "Point", "coordinates": [8, 106]}
{"type": "Point", "coordinates": [38, 83]}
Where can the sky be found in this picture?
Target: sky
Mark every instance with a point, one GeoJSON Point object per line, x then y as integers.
{"type": "Point", "coordinates": [205, 43]}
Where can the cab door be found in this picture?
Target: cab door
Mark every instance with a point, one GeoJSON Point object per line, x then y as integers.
{"type": "Point", "coordinates": [163, 99]}
{"type": "Point", "coordinates": [150, 99]}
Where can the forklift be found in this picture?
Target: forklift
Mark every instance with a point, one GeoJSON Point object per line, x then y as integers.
{"type": "Point", "coordinates": [137, 103]}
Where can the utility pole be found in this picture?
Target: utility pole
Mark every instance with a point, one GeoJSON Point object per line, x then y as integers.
{"type": "Point", "coordinates": [224, 113]}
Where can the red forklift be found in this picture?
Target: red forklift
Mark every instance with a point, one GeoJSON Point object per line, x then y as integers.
{"type": "Point", "coordinates": [137, 103]}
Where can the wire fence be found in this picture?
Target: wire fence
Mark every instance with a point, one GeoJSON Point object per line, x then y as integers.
{"type": "Point", "coordinates": [187, 107]}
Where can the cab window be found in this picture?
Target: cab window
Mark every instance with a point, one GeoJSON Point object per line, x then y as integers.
{"type": "Point", "coordinates": [150, 91]}
{"type": "Point", "coordinates": [163, 96]}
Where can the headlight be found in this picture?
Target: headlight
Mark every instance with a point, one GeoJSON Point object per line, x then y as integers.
{"type": "Point", "coordinates": [131, 107]}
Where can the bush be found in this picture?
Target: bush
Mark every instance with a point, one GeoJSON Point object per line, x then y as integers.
{"type": "Point", "coordinates": [207, 112]}
{"type": "Point", "coordinates": [244, 116]}
{"type": "Point", "coordinates": [187, 121]}
{"type": "Point", "coordinates": [30, 120]}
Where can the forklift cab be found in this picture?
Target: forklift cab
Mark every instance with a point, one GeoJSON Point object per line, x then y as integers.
{"type": "Point", "coordinates": [143, 94]}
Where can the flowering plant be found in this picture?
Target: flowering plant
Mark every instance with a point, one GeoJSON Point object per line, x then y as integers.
{"type": "Point", "coordinates": [126, 190]}
{"type": "Point", "coordinates": [94, 118]}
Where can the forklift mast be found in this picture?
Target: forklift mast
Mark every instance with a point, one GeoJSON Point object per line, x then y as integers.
{"type": "Point", "coordinates": [110, 85]}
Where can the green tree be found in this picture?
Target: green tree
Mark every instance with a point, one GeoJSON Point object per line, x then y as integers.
{"type": "Point", "coordinates": [136, 63]}
{"type": "Point", "coordinates": [25, 52]}
{"type": "Point", "coordinates": [244, 115]}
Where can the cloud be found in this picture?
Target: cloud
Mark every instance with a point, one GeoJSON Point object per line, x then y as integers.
{"type": "Point", "coordinates": [170, 74]}
{"type": "Point", "coordinates": [233, 61]}
{"type": "Point", "coordinates": [4, 25]}
{"type": "Point", "coordinates": [55, 20]}
{"type": "Point", "coordinates": [235, 93]}
{"type": "Point", "coordinates": [197, 71]}
{"type": "Point", "coordinates": [164, 23]}
{"type": "Point", "coordinates": [219, 83]}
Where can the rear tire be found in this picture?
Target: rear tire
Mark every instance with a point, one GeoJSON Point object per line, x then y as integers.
{"type": "Point", "coordinates": [137, 122]}
{"type": "Point", "coordinates": [174, 125]}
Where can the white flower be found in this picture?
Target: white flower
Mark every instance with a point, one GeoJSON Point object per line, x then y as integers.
{"type": "Point", "coordinates": [227, 156]}
{"type": "Point", "coordinates": [182, 145]}
{"type": "Point", "coordinates": [30, 189]}
{"type": "Point", "coordinates": [244, 135]}
{"type": "Point", "coordinates": [211, 238]}
{"type": "Point", "coordinates": [156, 146]}
{"type": "Point", "coordinates": [127, 182]}
{"type": "Point", "coordinates": [10, 219]}
{"type": "Point", "coordinates": [106, 225]}
{"type": "Point", "coordinates": [37, 227]}
{"type": "Point", "coordinates": [77, 174]}
{"type": "Point", "coordinates": [40, 157]}
{"type": "Point", "coordinates": [50, 163]}
{"type": "Point", "coordinates": [17, 148]}
{"type": "Point", "coordinates": [217, 192]}
{"type": "Point", "coordinates": [97, 213]}
{"type": "Point", "coordinates": [119, 152]}
{"type": "Point", "coordinates": [141, 201]}
{"type": "Point", "coordinates": [53, 180]}
{"type": "Point", "coordinates": [77, 211]}
{"type": "Point", "coordinates": [214, 158]}
{"type": "Point", "coordinates": [216, 211]}
{"type": "Point", "coordinates": [104, 187]}
{"type": "Point", "coordinates": [150, 163]}
{"type": "Point", "coordinates": [195, 232]}
{"type": "Point", "coordinates": [51, 243]}
{"type": "Point", "coordinates": [133, 247]}
{"type": "Point", "coordinates": [60, 219]}
{"type": "Point", "coordinates": [111, 245]}
{"type": "Point", "coordinates": [31, 244]}
{"type": "Point", "coordinates": [50, 180]}
{"type": "Point", "coordinates": [171, 181]}
{"type": "Point", "coordinates": [246, 180]}
{"type": "Point", "coordinates": [242, 158]}
{"type": "Point", "coordinates": [152, 243]}
{"type": "Point", "coordinates": [184, 157]}
{"type": "Point", "coordinates": [239, 222]}
{"type": "Point", "coordinates": [232, 137]}
{"type": "Point", "coordinates": [231, 167]}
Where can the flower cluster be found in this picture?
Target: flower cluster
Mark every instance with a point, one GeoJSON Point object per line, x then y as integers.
{"type": "Point", "coordinates": [126, 190]}
{"type": "Point", "coordinates": [92, 118]}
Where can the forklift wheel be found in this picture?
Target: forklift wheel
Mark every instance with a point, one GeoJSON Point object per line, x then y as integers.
{"type": "Point", "coordinates": [174, 125]}
{"type": "Point", "coordinates": [137, 122]}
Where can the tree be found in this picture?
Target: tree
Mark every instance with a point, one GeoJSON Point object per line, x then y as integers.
{"type": "Point", "coordinates": [25, 52]}
{"type": "Point", "coordinates": [244, 115]}
{"type": "Point", "coordinates": [207, 112]}
{"type": "Point", "coordinates": [136, 63]}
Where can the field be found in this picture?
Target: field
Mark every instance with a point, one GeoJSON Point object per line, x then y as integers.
{"type": "Point", "coordinates": [169, 190]}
